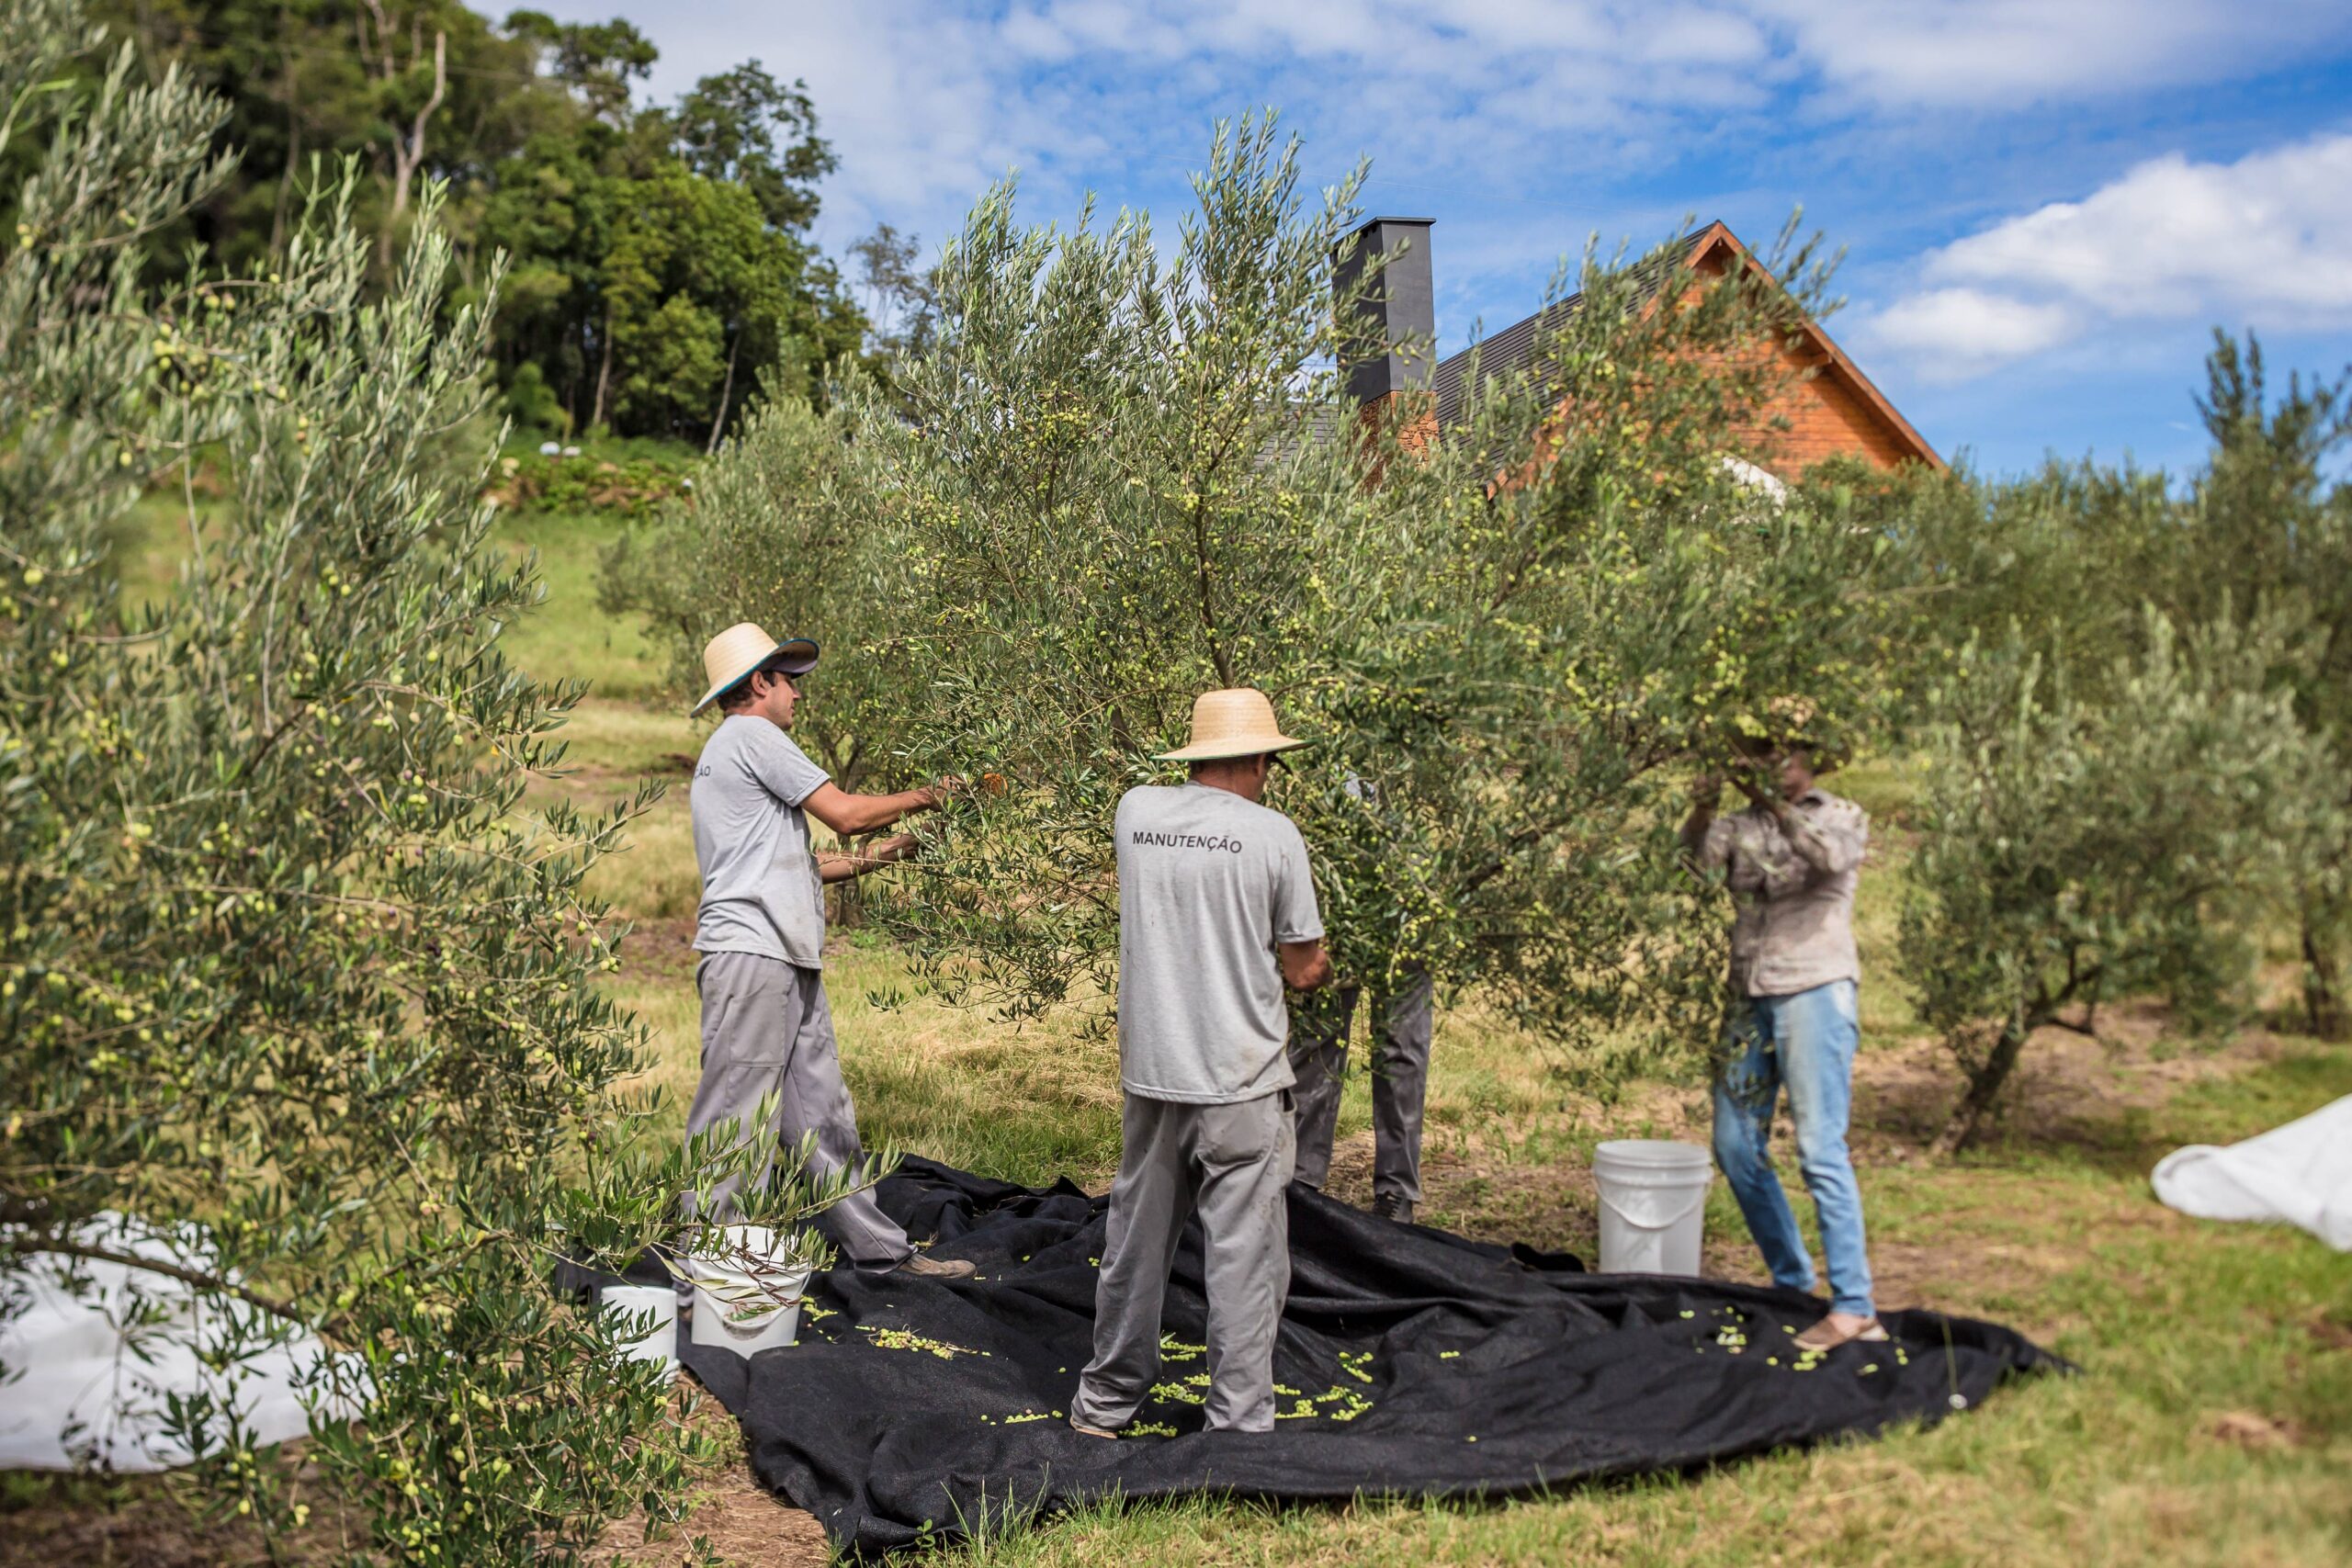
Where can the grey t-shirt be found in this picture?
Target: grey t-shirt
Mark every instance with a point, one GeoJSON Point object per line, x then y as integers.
{"type": "Point", "coordinates": [1209, 884]}
{"type": "Point", "coordinates": [760, 890]}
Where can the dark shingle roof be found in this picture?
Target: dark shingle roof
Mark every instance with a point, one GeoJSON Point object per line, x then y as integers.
{"type": "Point", "coordinates": [1513, 348]}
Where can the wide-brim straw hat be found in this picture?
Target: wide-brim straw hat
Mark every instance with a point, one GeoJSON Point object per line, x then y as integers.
{"type": "Point", "coordinates": [729, 659]}
{"type": "Point", "coordinates": [1235, 722]}
{"type": "Point", "coordinates": [1789, 723]}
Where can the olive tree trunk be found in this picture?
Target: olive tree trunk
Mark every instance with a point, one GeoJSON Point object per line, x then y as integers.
{"type": "Point", "coordinates": [1984, 1085]}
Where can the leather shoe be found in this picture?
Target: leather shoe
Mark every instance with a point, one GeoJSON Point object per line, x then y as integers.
{"type": "Point", "coordinates": [922, 1268]}
{"type": "Point", "coordinates": [1842, 1329]}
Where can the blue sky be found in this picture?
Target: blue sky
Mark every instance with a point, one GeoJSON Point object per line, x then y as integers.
{"type": "Point", "coordinates": [2046, 205]}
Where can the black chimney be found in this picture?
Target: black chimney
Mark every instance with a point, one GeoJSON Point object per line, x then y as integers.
{"type": "Point", "coordinates": [1394, 336]}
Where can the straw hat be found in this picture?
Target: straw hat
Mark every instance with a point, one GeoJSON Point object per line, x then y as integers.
{"type": "Point", "coordinates": [731, 656]}
{"type": "Point", "coordinates": [1236, 723]}
{"type": "Point", "coordinates": [1789, 722]}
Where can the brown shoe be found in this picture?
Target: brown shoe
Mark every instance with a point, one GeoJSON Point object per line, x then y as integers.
{"type": "Point", "coordinates": [1083, 1430]}
{"type": "Point", "coordinates": [1842, 1329]}
{"type": "Point", "coordinates": [923, 1268]}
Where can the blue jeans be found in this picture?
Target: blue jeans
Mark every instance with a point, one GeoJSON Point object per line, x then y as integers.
{"type": "Point", "coordinates": [1806, 1041]}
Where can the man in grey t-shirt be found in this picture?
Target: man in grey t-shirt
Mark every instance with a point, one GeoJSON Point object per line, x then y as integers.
{"type": "Point", "coordinates": [766, 1027]}
{"type": "Point", "coordinates": [1217, 914]}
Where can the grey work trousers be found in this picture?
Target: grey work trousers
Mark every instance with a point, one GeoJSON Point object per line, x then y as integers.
{"type": "Point", "coordinates": [767, 1029]}
{"type": "Point", "coordinates": [1402, 1023]}
{"type": "Point", "coordinates": [1232, 1162]}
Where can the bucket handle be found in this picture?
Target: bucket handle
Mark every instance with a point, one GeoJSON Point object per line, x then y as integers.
{"type": "Point", "coordinates": [1698, 1199]}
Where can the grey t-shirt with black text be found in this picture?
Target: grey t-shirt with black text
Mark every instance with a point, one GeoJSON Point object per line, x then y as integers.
{"type": "Point", "coordinates": [1209, 885]}
{"type": "Point", "coordinates": [760, 890]}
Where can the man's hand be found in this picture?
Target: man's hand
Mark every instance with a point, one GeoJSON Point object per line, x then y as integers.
{"type": "Point", "coordinates": [1769, 799]}
{"type": "Point", "coordinates": [874, 857]}
{"type": "Point", "coordinates": [1306, 967]}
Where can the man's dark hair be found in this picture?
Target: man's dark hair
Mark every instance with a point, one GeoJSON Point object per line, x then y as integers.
{"type": "Point", "coordinates": [1192, 769]}
{"type": "Point", "coordinates": [738, 697]}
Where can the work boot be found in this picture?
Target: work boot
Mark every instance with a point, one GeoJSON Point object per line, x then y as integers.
{"type": "Point", "coordinates": [1084, 1430]}
{"type": "Point", "coordinates": [1389, 1206]}
{"type": "Point", "coordinates": [923, 1268]}
{"type": "Point", "coordinates": [1842, 1329]}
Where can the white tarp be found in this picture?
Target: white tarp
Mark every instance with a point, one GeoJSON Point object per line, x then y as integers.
{"type": "Point", "coordinates": [90, 1352]}
{"type": "Point", "coordinates": [2301, 1173]}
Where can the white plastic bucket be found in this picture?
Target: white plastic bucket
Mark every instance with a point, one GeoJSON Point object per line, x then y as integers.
{"type": "Point", "coordinates": [624, 1304]}
{"type": "Point", "coordinates": [1653, 1205]}
{"type": "Point", "coordinates": [716, 1326]}
{"type": "Point", "coordinates": [742, 1305]}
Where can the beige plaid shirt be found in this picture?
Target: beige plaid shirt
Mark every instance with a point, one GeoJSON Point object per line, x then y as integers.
{"type": "Point", "coordinates": [1794, 887]}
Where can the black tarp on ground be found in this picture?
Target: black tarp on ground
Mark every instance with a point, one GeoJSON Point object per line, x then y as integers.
{"type": "Point", "coordinates": [1410, 1361]}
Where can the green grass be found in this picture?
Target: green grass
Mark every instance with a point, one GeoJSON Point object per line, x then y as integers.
{"type": "Point", "coordinates": [568, 638]}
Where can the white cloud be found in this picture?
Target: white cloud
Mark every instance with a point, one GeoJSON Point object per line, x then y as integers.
{"type": "Point", "coordinates": [1985, 54]}
{"type": "Point", "coordinates": [1954, 333]}
{"type": "Point", "coordinates": [2258, 242]}
{"type": "Point", "coordinates": [2264, 234]}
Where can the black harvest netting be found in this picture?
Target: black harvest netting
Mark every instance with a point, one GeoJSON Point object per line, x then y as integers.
{"type": "Point", "coordinates": [1411, 1362]}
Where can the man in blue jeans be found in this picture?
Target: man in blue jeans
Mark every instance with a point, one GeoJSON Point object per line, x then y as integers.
{"type": "Point", "coordinates": [1792, 859]}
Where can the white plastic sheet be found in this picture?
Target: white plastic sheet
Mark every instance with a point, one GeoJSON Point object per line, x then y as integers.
{"type": "Point", "coordinates": [2299, 1173]}
{"type": "Point", "coordinates": [90, 1365]}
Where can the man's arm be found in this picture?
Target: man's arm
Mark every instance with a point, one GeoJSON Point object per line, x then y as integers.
{"type": "Point", "coordinates": [845, 868]}
{"type": "Point", "coordinates": [1835, 844]}
{"type": "Point", "coordinates": [1708, 849]}
{"type": "Point", "coordinates": [850, 815]}
{"type": "Point", "coordinates": [1306, 967]}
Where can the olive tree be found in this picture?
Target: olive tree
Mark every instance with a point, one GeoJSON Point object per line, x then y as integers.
{"type": "Point", "coordinates": [2071, 556]}
{"type": "Point", "coordinates": [777, 532]}
{"type": "Point", "coordinates": [2075, 848]}
{"type": "Point", "coordinates": [1651, 609]}
{"type": "Point", "coordinates": [1118, 476]}
{"type": "Point", "coordinates": [2265, 525]}
{"type": "Point", "coordinates": [780, 530]}
{"type": "Point", "coordinates": [289, 971]}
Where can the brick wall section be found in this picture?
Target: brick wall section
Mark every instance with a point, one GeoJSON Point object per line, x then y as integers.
{"type": "Point", "coordinates": [1412, 415]}
{"type": "Point", "coordinates": [1819, 417]}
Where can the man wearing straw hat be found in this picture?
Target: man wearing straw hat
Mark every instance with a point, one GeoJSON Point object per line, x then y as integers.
{"type": "Point", "coordinates": [1217, 915]}
{"type": "Point", "coordinates": [1792, 859]}
{"type": "Point", "coordinates": [766, 1028]}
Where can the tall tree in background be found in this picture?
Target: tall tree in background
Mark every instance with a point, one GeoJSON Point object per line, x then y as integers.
{"type": "Point", "coordinates": [536, 127]}
{"type": "Point", "coordinates": [2266, 531]}
{"type": "Point", "coordinates": [901, 300]}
